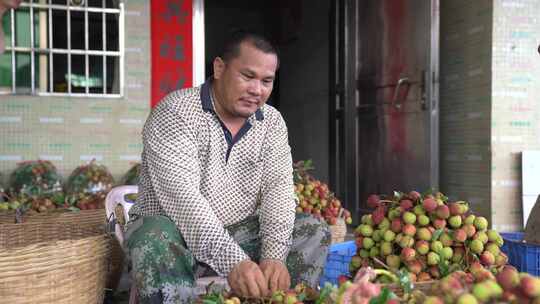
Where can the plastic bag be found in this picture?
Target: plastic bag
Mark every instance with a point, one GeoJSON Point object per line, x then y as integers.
{"type": "Point", "coordinates": [91, 178]}
{"type": "Point", "coordinates": [37, 178]}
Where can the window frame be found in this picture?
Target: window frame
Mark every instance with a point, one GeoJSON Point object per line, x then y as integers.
{"type": "Point", "coordinates": [34, 51]}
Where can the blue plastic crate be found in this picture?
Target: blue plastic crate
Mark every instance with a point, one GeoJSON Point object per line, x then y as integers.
{"type": "Point", "coordinates": [337, 262]}
{"type": "Point", "coordinates": [525, 257]}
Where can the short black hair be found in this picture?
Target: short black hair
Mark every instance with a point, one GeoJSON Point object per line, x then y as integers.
{"type": "Point", "coordinates": [231, 47]}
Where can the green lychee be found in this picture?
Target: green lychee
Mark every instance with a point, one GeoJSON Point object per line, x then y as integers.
{"type": "Point", "coordinates": [493, 248]}
{"type": "Point", "coordinates": [422, 247]}
{"type": "Point", "coordinates": [386, 248]}
{"type": "Point", "coordinates": [446, 239]}
{"type": "Point", "coordinates": [419, 210]}
{"type": "Point", "coordinates": [424, 234]}
{"type": "Point", "coordinates": [423, 220]}
{"type": "Point", "coordinates": [384, 224]}
{"type": "Point", "coordinates": [477, 246]}
{"type": "Point", "coordinates": [374, 252]}
{"type": "Point", "coordinates": [446, 253]}
{"type": "Point", "coordinates": [455, 221]}
{"type": "Point", "coordinates": [366, 230]}
{"type": "Point", "coordinates": [492, 235]}
{"type": "Point", "coordinates": [466, 298]}
{"type": "Point", "coordinates": [389, 235]}
{"type": "Point", "coordinates": [481, 223]}
{"type": "Point", "coordinates": [469, 219]}
{"type": "Point", "coordinates": [364, 253]}
{"type": "Point", "coordinates": [393, 261]}
{"type": "Point", "coordinates": [377, 235]}
{"type": "Point", "coordinates": [481, 236]}
{"type": "Point", "coordinates": [367, 243]}
{"type": "Point", "coordinates": [409, 217]}
{"type": "Point", "coordinates": [433, 258]}
{"type": "Point", "coordinates": [436, 246]}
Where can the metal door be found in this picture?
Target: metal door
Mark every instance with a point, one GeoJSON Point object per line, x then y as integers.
{"type": "Point", "coordinates": [384, 107]}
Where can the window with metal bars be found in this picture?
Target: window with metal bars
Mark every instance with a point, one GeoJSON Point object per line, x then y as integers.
{"type": "Point", "coordinates": [64, 48]}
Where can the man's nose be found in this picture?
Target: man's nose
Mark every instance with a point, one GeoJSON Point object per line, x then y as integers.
{"type": "Point", "coordinates": [255, 87]}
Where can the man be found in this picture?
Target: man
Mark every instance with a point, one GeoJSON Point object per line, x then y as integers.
{"type": "Point", "coordinates": [5, 5]}
{"type": "Point", "coordinates": [216, 187]}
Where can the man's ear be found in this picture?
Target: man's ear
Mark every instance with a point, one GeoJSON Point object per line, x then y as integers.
{"type": "Point", "coordinates": [219, 67]}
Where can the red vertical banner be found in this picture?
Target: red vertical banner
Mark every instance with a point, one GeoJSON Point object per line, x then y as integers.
{"type": "Point", "coordinates": [172, 46]}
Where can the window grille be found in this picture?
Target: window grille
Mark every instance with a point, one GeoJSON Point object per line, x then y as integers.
{"type": "Point", "coordinates": [73, 48]}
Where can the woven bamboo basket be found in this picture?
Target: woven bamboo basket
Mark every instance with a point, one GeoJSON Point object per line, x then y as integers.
{"type": "Point", "coordinates": [88, 219]}
{"type": "Point", "coordinates": [51, 262]}
{"type": "Point", "coordinates": [338, 231]}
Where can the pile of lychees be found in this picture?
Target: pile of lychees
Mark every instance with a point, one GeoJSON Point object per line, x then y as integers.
{"type": "Point", "coordinates": [314, 197]}
{"type": "Point", "coordinates": [426, 235]}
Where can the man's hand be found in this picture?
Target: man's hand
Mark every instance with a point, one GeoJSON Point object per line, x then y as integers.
{"type": "Point", "coordinates": [247, 279]}
{"type": "Point", "coordinates": [276, 274]}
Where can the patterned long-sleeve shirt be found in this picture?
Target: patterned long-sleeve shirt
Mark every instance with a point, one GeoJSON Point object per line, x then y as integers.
{"type": "Point", "coordinates": [195, 173]}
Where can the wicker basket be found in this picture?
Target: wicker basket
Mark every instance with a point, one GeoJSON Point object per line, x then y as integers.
{"type": "Point", "coordinates": [51, 262]}
{"type": "Point", "coordinates": [88, 219]}
{"type": "Point", "coordinates": [338, 231]}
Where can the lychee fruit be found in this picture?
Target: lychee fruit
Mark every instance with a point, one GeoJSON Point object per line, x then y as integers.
{"type": "Point", "coordinates": [378, 215]}
{"type": "Point", "coordinates": [460, 235]}
{"type": "Point", "coordinates": [508, 278]}
{"type": "Point", "coordinates": [466, 298]}
{"type": "Point", "coordinates": [406, 204]}
{"type": "Point", "coordinates": [477, 246]}
{"type": "Point", "coordinates": [419, 210]}
{"type": "Point", "coordinates": [386, 248]}
{"type": "Point", "coordinates": [446, 239]}
{"type": "Point", "coordinates": [389, 235]}
{"type": "Point", "coordinates": [442, 212]}
{"type": "Point", "coordinates": [393, 261]}
{"type": "Point", "coordinates": [424, 234]}
{"type": "Point", "coordinates": [409, 217]}
{"type": "Point", "coordinates": [439, 223]}
{"type": "Point", "coordinates": [422, 247]}
{"type": "Point", "coordinates": [423, 220]}
{"type": "Point", "coordinates": [429, 205]}
{"type": "Point", "coordinates": [469, 219]}
{"type": "Point", "coordinates": [530, 286]}
{"type": "Point", "coordinates": [433, 258]}
{"type": "Point", "coordinates": [481, 223]}
{"type": "Point", "coordinates": [455, 221]}
{"type": "Point", "coordinates": [469, 229]}
{"type": "Point", "coordinates": [414, 196]}
{"type": "Point", "coordinates": [487, 258]}
{"type": "Point", "coordinates": [409, 230]}
{"type": "Point", "coordinates": [396, 225]}
{"type": "Point", "coordinates": [373, 201]}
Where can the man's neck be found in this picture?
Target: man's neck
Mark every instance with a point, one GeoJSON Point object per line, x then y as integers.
{"type": "Point", "coordinates": [233, 123]}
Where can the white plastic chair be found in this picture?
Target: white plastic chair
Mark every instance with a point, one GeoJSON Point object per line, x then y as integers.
{"type": "Point", "coordinates": [117, 196]}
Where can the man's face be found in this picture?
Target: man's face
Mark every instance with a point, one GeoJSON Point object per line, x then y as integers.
{"type": "Point", "coordinates": [245, 81]}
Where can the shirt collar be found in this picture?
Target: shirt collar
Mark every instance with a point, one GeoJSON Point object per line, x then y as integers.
{"type": "Point", "coordinates": [206, 100]}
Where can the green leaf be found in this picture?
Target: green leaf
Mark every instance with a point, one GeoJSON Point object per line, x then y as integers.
{"type": "Point", "coordinates": [383, 297]}
{"type": "Point", "coordinates": [405, 281]}
{"type": "Point", "coordinates": [437, 234]}
{"type": "Point", "coordinates": [444, 268]}
{"type": "Point", "coordinates": [74, 209]}
{"type": "Point", "coordinates": [325, 293]}
{"type": "Point", "coordinates": [398, 195]}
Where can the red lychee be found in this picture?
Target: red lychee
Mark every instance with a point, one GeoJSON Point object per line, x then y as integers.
{"type": "Point", "coordinates": [442, 212]}
{"type": "Point", "coordinates": [429, 204]}
{"type": "Point", "coordinates": [373, 201]}
{"type": "Point", "coordinates": [406, 204]}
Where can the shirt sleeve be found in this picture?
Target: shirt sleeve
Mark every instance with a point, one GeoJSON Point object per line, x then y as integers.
{"type": "Point", "coordinates": [171, 158]}
{"type": "Point", "coordinates": [277, 213]}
